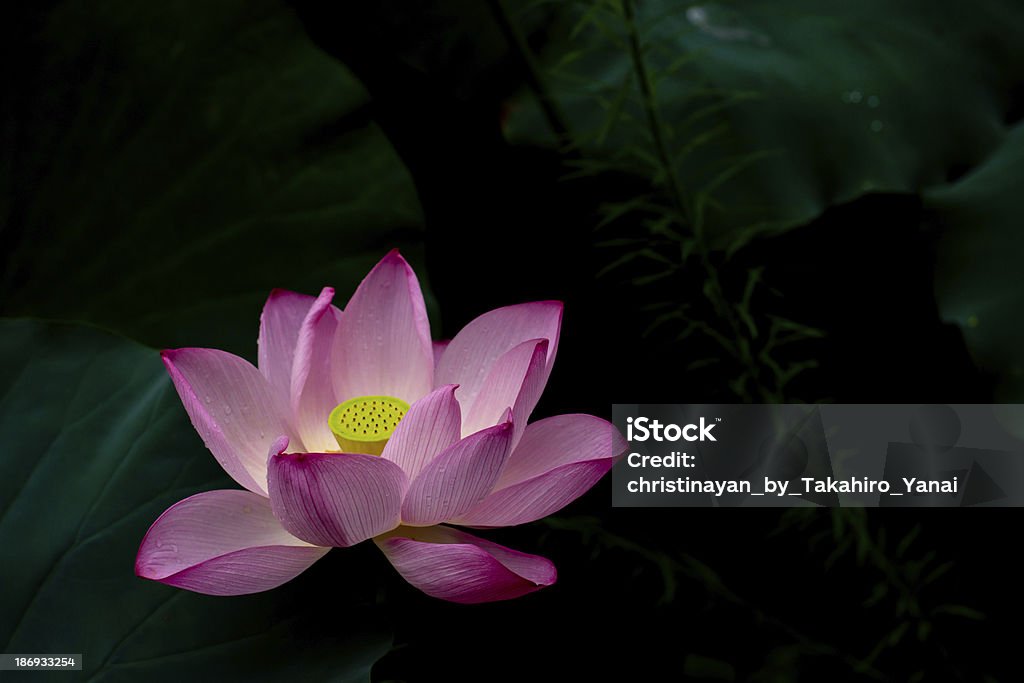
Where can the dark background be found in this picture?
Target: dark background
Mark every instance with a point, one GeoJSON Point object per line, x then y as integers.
{"type": "Point", "coordinates": [739, 201]}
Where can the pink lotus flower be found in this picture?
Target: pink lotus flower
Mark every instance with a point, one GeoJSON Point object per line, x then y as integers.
{"type": "Point", "coordinates": [356, 427]}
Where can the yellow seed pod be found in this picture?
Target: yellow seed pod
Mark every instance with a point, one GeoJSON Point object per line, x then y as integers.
{"type": "Point", "coordinates": [365, 423]}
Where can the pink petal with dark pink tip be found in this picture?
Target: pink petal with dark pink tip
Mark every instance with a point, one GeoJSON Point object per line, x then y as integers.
{"type": "Point", "coordinates": [536, 498]}
{"type": "Point", "coordinates": [312, 386]}
{"type": "Point", "coordinates": [458, 478]}
{"type": "Point", "coordinates": [383, 344]}
{"type": "Point", "coordinates": [452, 565]}
{"type": "Point", "coordinates": [232, 407]}
{"type": "Point", "coordinates": [222, 543]}
{"type": "Point", "coordinates": [558, 460]}
{"type": "Point", "coordinates": [432, 424]}
{"type": "Point", "coordinates": [559, 440]}
{"type": "Point", "coordinates": [280, 322]}
{"type": "Point", "coordinates": [470, 355]}
{"type": "Point", "coordinates": [335, 499]}
{"type": "Point", "coordinates": [515, 383]}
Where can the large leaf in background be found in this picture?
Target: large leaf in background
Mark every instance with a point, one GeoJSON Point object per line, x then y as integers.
{"type": "Point", "coordinates": [807, 106]}
{"type": "Point", "coordinates": [978, 272]}
{"type": "Point", "coordinates": [170, 163]}
{"type": "Point", "coordinates": [95, 446]}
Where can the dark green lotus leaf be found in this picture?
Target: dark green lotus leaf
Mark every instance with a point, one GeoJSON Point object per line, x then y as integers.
{"type": "Point", "coordinates": [978, 272]}
{"type": "Point", "coordinates": [96, 446]}
{"type": "Point", "coordinates": [773, 111]}
{"type": "Point", "coordinates": [173, 162]}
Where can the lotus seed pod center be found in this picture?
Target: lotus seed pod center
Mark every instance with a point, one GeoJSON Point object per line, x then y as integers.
{"type": "Point", "coordinates": [365, 423]}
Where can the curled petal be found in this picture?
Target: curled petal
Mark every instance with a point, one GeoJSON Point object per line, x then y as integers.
{"type": "Point", "coordinates": [515, 383]}
{"type": "Point", "coordinates": [280, 322]}
{"type": "Point", "coordinates": [452, 565]}
{"type": "Point", "coordinates": [458, 478]}
{"type": "Point", "coordinates": [432, 424]}
{"type": "Point", "coordinates": [232, 407]}
{"type": "Point", "coordinates": [472, 353]}
{"type": "Point", "coordinates": [558, 460]}
{"type": "Point", "coordinates": [222, 543]}
{"type": "Point", "coordinates": [383, 343]}
{"type": "Point", "coordinates": [335, 499]}
{"type": "Point", "coordinates": [311, 386]}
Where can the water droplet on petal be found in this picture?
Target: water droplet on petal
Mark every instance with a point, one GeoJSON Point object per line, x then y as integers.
{"type": "Point", "coordinates": [227, 409]}
{"type": "Point", "coordinates": [159, 543]}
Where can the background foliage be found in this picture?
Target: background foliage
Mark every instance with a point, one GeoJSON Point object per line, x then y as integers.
{"type": "Point", "coordinates": [737, 200]}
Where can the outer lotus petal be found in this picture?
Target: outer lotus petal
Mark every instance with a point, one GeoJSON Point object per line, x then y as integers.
{"type": "Point", "coordinates": [536, 498]}
{"type": "Point", "coordinates": [560, 440]}
{"type": "Point", "coordinates": [458, 478]}
{"type": "Point", "coordinates": [312, 387]}
{"type": "Point", "coordinates": [232, 407]}
{"type": "Point", "coordinates": [453, 565]}
{"type": "Point", "coordinates": [222, 543]}
{"type": "Point", "coordinates": [515, 382]}
{"type": "Point", "coordinates": [383, 344]}
{"type": "Point", "coordinates": [468, 359]}
{"type": "Point", "coordinates": [557, 461]}
{"type": "Point", "coordinates": [279, 333]}
{"type": "Point", "coordinates": [335, 499]}
{"type": "Point", "coordinates": [431, 425]}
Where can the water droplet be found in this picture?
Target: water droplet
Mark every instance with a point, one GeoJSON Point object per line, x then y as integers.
{"type": "Point", "coordinates": [262, 434]}
{"type": "Point", "coordinates": [247, 509]}
{"type": "Point", "coordinates": [174, 548]}
{"type": "Point", "coordinates": [159, 543]}
{"type": "Point", "coordinates": [227, 409]}
{"type": "Point", "coordinates": [209, 399]}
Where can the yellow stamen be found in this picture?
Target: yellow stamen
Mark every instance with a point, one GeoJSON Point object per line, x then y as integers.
{"type": "Point", "coordinates": [364, 424]}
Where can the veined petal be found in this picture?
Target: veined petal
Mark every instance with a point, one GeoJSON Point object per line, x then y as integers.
{"type": "Point", "coordinates": [559, 440]}
{"type": "Point", "coordinates": [536, 498]}
{"type": "Point", "coordinates": [312, 386]}
{"type": "Point", "coordinates": [222, 543]}
{"type": "Point", "coordinates": [432, 424]}
{"type": "Point", "coordinates": [515, 382]}
{"type": "Point", "coordinates": [458, 478]}
{"type": "Point", "coordinates": [232, 407]}
{"type": "Point", "coordinates": [469, 357]}
{"type": "Point", "coordinates": [452, 565]}
{"type": "Point", "coordinates": [558, 460]}
{"type": "Point", "coordinates": [335, 499]}
{"type": "Point", "coordinates": [383, 343]}
{"type": "Point", "coordinates": [279, 333]}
